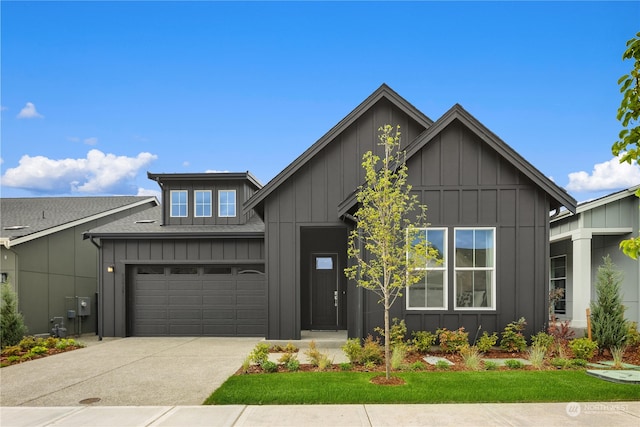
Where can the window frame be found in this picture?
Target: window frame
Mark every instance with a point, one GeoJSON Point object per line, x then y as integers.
{"type": "Point", "coordinates": [220, 204]}
{"type": "Point", "coordinates": [179, 204]}
{"type": "Point", "coordinates": [444, 267]}
{"type": "Point", "coordinates": [492, 303]}
{"type": "Point", "coordinates": [196, 204]}
{"type": "Point", "coordinates": [556, 279]}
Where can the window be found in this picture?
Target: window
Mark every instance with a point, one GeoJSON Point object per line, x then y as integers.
{"type": "Point", "coordinates": [227, 203]}
{"type": "Point", "coordinates": [558, 283]}
{"type": "Point", "coordinates": [474, 279]}
{"type": "Point", "coordinates": [324, 263]}
{"type": "Point", "coordinates": [202, 202]}
{"type": "Point", "coordinates": [179, 203]}
{"type": "Point", "coordinates": [431, 291]}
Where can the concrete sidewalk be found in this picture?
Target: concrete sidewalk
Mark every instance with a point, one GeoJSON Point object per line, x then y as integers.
{"type": "Point", "coordinates": [489, 414]}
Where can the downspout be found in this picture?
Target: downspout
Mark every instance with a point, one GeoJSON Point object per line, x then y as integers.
{"type": "Point", "coordinates": [100, 284]}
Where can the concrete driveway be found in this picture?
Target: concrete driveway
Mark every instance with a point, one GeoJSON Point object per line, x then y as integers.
{"type": "Point", "coordinates": [127, 371]}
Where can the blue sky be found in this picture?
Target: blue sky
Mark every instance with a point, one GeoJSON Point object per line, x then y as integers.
{"type": "Point", "coordinates": [95, 94]}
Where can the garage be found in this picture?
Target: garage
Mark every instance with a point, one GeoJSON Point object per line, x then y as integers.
{"type": "Point", "coordinates": [192, 300]}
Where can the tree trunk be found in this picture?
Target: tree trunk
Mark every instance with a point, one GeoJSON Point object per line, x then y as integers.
{"type": "Point", "coordinates": [387, 346]}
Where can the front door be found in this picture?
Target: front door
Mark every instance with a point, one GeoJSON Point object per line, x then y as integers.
{"type": "Point", "coordinates": [324, 291]}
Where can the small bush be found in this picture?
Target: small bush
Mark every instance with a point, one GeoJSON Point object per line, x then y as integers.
{"type": "Point", "coordinates": [560, 362]}
{"type": "Point", "coordinates": [471, 357]}
{"type": "Point", "coordinates": [292, 365]}
{"type": "Point", "coordinates": [369, 365]}
{"type": "Point", "coordinates": [344, 366]}
{"type": "Point", "coordinates": [27, 343]}
{"type": "Point", "coordinates": [372, 351]}
{"type": "Point", "coordinates": [513, 364]}
{"type": "Point", "coordinates": [579, 363]}
{"type": "Point", "coordinates": [269, 366]}
{"type": "Point", "coordinates": [39, 349]}
{"type": "Point", "coordinates": [13, 359]}
{"type": "Point", "coordinates": [287, 357]}
{"type": "Point", "coordinates": [13, 350]}
{"type": "Point", "coordinates": [260, 353]}
{"type": "Point", "coordinates": [397, 332]}
{"type": "Point", "coordinates": [353, 350]}
{"type": "Point", "coordinates": [246, 364]}
{"type": "Point", "coordinates": [583, 348]}
{"type": "Point", "coordinates": [442, 365]}
{"type": "Point", "coordinates": [398, 355]}
{"type": "Point", "coordinates": [617, 353]}
{"type": "Point", "coordinates": [290, 348]}
{"type": "Point", "coordinates": [316, 357]}
{"type": "Point", "coordinates": [490, 365]}
{"type": "Point", "coordinates": [324, 362]}
{"type": "Point", "coordinates": [486, 341]}
{"type": "Point", "coordinates": [512, 338]}
{"type": "Point", "coordinates": [417, 366]}
{"type": "Point", "coordinates": [422, 341]}
{"type": "Point", "coordinates": [633, 335]}
{"type": "Point", "coordinates": [542, 340]}
{"type": "Point", "coordinates": [452, 341]}
{"type": "Point", "coordinates": [537, 354]}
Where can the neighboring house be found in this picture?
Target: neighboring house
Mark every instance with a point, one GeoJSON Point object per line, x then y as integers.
{"type": "Point", "coordinates": [48, 263]}
{"type": "Point", "coordinates": [580, 240]}
{"type": "Point", "coordinates": [488, 209]}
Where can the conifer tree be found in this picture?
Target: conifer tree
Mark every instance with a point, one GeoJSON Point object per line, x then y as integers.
{"type": "Point", "coordinates": [607, 312]}
{"type": "Point", "coordinates": [12, 327]}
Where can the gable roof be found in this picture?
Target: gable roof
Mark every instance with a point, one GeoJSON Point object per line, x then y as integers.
{"type": "Point", "coordinates": [600, 201]}
{"type": "Point", "coordinates": [26, 219]}
{"type": "Point", "coordinates": [206, 176]}
{"type": "Point", "coordinates": [383, 91]}
{"type": "Point", "coordinates": [457, 112]}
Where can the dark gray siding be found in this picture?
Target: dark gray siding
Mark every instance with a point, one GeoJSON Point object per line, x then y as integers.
{"type": "Point", "coordinates": [310, 198]}
{"type": "Point", "coordinates": [465, 183]}
{"type": "Point", "coordinates": [123, 253]}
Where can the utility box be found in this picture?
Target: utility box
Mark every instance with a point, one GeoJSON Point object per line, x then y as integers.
{"type": "Point", "coordinates": [84, 306]}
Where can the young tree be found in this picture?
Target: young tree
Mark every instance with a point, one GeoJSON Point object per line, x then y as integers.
{"type": "Point", "coordinates": [628, 143]}
{"type": "Point", "coordinates": [380, 243]}
{"type": "Point", "coordinates": [607, 312]}
{"type": "Point", "coordinates": [12, 327]}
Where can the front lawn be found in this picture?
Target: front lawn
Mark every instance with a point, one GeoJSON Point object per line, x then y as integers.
{"type": "Point", "coordinates": [420, 387]}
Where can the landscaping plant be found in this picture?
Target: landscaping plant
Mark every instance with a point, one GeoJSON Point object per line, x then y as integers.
{"type": "Point", "coordinates": [12, 327]}
{"type": "Point", "coordinates": [583, 348]}
{"type": "Point", "coordinates": [452, 341]}
{"type": "Point", "coordinates": [397, 332]}
{"type": "Point", "coordinates": [471, 357]}
{"type": "Point", "coordinates": [609, 329]}
{"type": "Point", "coordinates": [486, 341]}
{"type": "Point", "coordinates": [422, 341]}
{"type": "Point", "coordinates": [512, 338]}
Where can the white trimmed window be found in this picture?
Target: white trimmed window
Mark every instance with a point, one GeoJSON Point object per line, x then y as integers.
{"type": "Point", "coordinates": [227, 203]}
{"type": "Point", "coordinates": [558, 280]}
{"type": "Point", "coordinates": [179, 207]}
{"type": "Point", "coordinates": [202, 203]}
{"type": "Point", "coordinates": [430, 293]}
{"type": "Point", "coordinates": [475, 268]}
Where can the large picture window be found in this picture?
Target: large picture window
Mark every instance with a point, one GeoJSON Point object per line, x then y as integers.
{"type": "Point", "coordinates": [474, 278]}
{"type": "Point", "coordinates": [227, 203]}
{"type": "Point", "coordinates": [430, 293]}
{"type": "Point", "coordinates": [179, 203]}
{"type": "Point", "coordinates": [202, 203]}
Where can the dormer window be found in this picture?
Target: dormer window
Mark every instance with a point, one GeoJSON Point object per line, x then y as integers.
{"type": "Point", "coordinates": [202, 202]}
{"type": "Point", "coordinates": [179, 203]}
{"type": "Point", "coordinates": [226, 203]}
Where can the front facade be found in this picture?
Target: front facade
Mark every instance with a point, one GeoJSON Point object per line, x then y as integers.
{"type": "Point", "coordinates": [48, 263]}
{"type": "Point", "coordinates": [488, 213]}
{"type": "Point", "coordinates": [578, 244]}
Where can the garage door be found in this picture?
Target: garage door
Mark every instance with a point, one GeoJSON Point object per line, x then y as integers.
{"type": "Point", "coordinates": [198, 301]}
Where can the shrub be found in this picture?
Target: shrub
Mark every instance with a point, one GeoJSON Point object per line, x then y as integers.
{"type": "Point", "coordinates": [417, 366]}
{"type": "Point", "coordinates": [287, 357]}
{"type": "Point", "coordinates": [12, 327]}
{"type": "Point", "coordinates": [290, 348]}
{"type": "Point", "coordinates": [260, 353]}
{"type": "Point", "coordinates": [442, 365]}
{"type": "Point", "coordinates": [578, 363]}
{"type": "Point", "coordinates": [423, 340]}
{"type": "Point", "coordinates": [633, 336]}
{"type": "Point", "coordinates": [617, 353]}
{"type": "Point", "coordinates": [39, 349]}
{"type": "Point", "coordinates": [512, 338]}
{"type": "Point", "coordinates": [324, 362]}
{"type": "Point", "coordinates": [353, 350]}
{"type": "Point", "coordinates": [513, 364]}
{"type": "Point", "coordinates": [490, 365]}
{"type": "Point", "coordinates": [398, 355]}
{"type": "Point", "coordinates": [372, 351]}
{"type": "Point", "coordinates": [471, 357]}
{"type": "Point", "coordinates": [269, 366]}
{"type": "Point", "coordinates": [246, 364]}
{"type": "Point", "coordinates": [486, 341]}
{"type": "Point", "coordinates": [397, 332]}
{"type": "Point", "coordinates": [537, 354]}
{"type": "Point", "coordinates": [452, 341]}
{"type": "Point", "coordinates": [13, 350]}
{"type": "Point", "coordinates": [27, 343]}
{"type": "Point", "coordinates": [292, 365]}
{"type": "Point", "coordinates": [542, 340]}
{"type": "Point", "coordinates": [316, 357]}
{"type": "Point", "coordinates": [344, 366]}
{"type": "Point", "coordinates": [560, 362]}
{"type": "Point", "coordinates": [607, 312]}
{"type": "Point", "coordinates": [583, 348]}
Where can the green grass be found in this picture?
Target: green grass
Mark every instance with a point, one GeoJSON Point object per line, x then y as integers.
{"type": "Point", "coordinates": [420, 387]}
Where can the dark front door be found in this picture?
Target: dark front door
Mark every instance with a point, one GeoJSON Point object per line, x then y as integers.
{"type": "Point", "coordinates": [324, 291]}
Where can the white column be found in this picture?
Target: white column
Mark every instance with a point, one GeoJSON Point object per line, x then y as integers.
{"type": "Point", "coordinates": [581, 282]}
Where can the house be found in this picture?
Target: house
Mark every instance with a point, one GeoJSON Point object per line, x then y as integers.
{"type": "Point", "coordinates": [580, 240]}
{"type": "Point", "coordinates": [280, 250]}
{"type": "Point", "coordinates": [48, 263]}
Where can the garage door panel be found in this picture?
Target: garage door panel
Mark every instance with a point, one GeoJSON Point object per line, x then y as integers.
{"type": "Point", "coordinates": [199, 304]}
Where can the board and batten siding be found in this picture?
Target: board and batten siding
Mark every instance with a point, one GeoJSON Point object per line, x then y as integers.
{"type": "Point", "coordinates": [123, 253]}
{"type": "Point", "coordinates": [310, 197]}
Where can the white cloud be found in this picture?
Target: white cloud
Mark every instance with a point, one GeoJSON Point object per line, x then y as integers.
{"type": "Point", "coordinates": [149, 193]}
{"type": "Point", "coordinates": [610, 175]}
{"type": "Point", "coordinates": [215, 171]}
{"type": "Point", "coordinates": [186, 164]}
{"type": "Point", "coordinates": [29, 112]}
{"type": "Point", "coordinates": [99, 173]}
{"type": "Point", "coordinates": [91, 141]}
